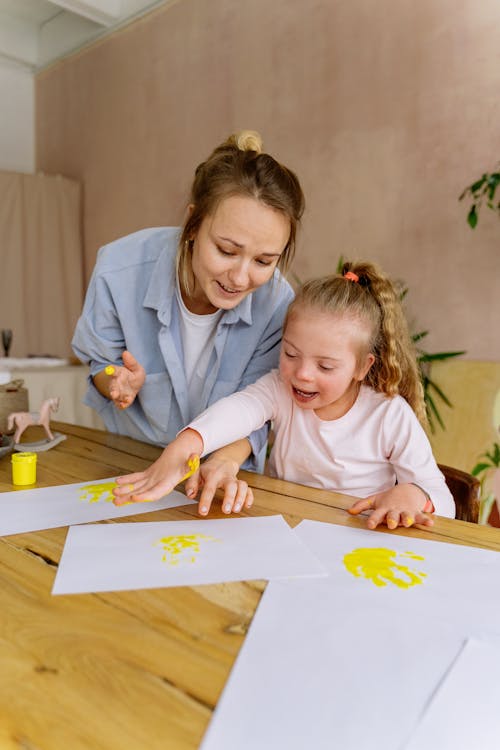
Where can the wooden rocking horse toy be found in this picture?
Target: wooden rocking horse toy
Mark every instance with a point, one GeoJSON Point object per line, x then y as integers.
{"type": "Point", "coordinates": [23, 419]}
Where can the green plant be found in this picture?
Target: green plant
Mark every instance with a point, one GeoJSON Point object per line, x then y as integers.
{"type": "Point", "coordinates": [483, 188]}
{"type": "Point", "coordinates": [481, 471]}
{"type": "Point", "coordinates": [432, 391]}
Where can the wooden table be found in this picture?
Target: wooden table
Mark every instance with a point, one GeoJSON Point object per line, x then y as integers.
{"type": "Point", "coordinates": [134, 670]}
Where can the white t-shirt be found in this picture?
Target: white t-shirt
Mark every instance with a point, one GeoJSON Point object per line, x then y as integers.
{"type": "Point", "coordinates": [198, 336]}
{"type": "Point", "coordinates": [377, 442]}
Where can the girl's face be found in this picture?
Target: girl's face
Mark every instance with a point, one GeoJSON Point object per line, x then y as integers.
{"type": "Point", "coordinates": [319, 361]}
{"type": "Point", "coordinates": [235, 251]}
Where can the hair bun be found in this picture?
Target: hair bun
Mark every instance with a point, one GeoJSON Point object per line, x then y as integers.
{"type": "Point", "coordinates": [248, 140]}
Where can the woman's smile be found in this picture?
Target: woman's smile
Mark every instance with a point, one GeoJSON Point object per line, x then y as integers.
{"type": "Point", "coordinates": [229, 290]}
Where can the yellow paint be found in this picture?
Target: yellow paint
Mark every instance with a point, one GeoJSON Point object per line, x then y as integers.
{"type": "Point", "coordinates": [184, 547]}
{"type": "Point", "coordinates": [194, 465]}
{"type": "Point", "coordinates": [109, 370]}
{"type": "Point", "coordinates": [379, 566]}
{"type": "Point", "coordinates": [94, 492]}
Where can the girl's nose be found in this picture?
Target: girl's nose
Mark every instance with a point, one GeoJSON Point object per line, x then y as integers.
{"type": "Point", "coordinates": [304, 371]}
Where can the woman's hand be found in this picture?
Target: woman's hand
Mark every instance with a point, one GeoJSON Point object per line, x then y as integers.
{"type": "Point", "coordinates": [219, 472]}
{"type": "Point", "coordinates": [400, 506]}
{"type": "Point", "coordinates": [123, 384]}
{"type": "Point", "coordinates": [163, 475]}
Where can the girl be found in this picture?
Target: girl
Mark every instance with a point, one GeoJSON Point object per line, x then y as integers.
{"type": "Point", "coordinates": [346, 406]}
{"type": "Point", "coordinates": [175, 319]}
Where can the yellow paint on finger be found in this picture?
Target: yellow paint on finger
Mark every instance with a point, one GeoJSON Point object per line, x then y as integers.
{"type": "Point", "coordinates": [379, 566]}
{"type": "Point", "coordinates": [194, 465]}
{"type": "Point", "coordinates": [142, 500]}
{"type": "Point", "coordinates": [109, 370]}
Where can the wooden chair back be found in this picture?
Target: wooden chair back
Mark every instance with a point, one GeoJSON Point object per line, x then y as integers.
{"type": "Point", "coordinates": [466, 490]}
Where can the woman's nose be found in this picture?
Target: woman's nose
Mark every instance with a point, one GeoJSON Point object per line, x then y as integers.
{"type": "Point", "coordinates": [239, 275]}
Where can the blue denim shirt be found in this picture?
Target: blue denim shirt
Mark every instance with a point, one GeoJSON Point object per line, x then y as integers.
{"type": "Point", "coordinates": [131, 304]}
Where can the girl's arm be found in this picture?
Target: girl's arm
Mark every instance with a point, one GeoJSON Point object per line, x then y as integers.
{"type": "Point", "coordinates": [222, 427]}
{"type": "Point", "coordinates": [218, 472]}
{"type": "Point", "coordinates": [163, 475]}
{"type": "Point", "coordinates": [421, 487]}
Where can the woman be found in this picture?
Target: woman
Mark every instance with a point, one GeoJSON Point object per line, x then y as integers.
{"type": "Point", "coordinates": [174, 319]}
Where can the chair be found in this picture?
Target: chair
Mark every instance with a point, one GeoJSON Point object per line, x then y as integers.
{"type": "Point", "coordinates": [465, 490]}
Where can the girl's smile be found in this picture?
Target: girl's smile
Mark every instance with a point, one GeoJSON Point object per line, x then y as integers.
{"type": "Point", "coordinates": [319, 361]}
{"type": "Point", "coordinates": [303, 396]}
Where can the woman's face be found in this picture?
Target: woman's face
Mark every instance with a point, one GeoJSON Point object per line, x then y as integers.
{"type": "Point", "coordinates": [234, 252]}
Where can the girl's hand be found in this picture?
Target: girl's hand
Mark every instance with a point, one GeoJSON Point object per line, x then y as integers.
{"type": "Point", "coordinates": [126, 382]}
{"type": "Point", "coordinates": [163, 475]}
{"type": "Point", "coordinates": [219, 473]}
{"type": "Point", "coordinates": [400, 506]}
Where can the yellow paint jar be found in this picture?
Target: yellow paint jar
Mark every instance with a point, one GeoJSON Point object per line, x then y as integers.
{"type": "Point", "coordinates": [24, 468]}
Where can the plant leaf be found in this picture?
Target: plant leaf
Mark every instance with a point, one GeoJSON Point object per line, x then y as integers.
{"type": "Point", "coordinates": [478, 184]}
{"type": "Point", "coordinates": [440, 393]}
{"type": "Point", "coordinates": [472, 217]}
{"type": "Point", "coordinates": [437, 356]}
{"type": "Point", "coordinates": [479, 468]}
{"type": "Point", "coordinates": [434, 410]}
{"type": "Point", "coordinates": [418, 336]}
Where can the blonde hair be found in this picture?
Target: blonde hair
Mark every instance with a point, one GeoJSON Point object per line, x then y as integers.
{"type": "Point", "coordinates": [240, 167]}
{"type": "Point", "coordinates": [375, 302]}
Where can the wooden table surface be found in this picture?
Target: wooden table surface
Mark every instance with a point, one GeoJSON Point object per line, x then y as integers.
{"type": "Point", "coordinates": [134, 670]}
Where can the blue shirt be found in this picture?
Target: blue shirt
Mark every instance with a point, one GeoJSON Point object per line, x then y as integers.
{"type": "Point", "coordinates": [131, 304]}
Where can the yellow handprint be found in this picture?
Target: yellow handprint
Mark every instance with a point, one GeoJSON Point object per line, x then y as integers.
{"type": "Point", "coordinates": [379, 566]}
{"type": "Point", "coordinates": [176, 546]}
{"type": "Point", "coordinates": [93, 492]}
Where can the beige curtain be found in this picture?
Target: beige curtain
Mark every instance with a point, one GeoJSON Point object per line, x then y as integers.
{"type": "Point", "coordinates": [41, 279]}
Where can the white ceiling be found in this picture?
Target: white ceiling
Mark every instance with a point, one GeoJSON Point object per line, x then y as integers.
{"type": "Point", "coordinates": [36, 33]}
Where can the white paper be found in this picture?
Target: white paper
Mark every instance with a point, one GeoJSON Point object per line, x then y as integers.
{"type": "Point", "coordinates": [50, 507]}
{"type": "Point", "coordinates": [464, 713]}
{"type": "Point", "coordinates": [344, 663]}
{"type": "Point", "coordinates": [115, 557]}
{"type": "Point", "coordinates": [315, 673]}
{"type": "Point", "coordinates": [451, 583]}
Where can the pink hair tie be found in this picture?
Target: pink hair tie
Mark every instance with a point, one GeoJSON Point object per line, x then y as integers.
{"type": "Point", "coordinates": [351, 276]}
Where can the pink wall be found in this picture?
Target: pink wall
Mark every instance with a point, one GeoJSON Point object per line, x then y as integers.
{"type": "Point", "coordinates": [385, 109]}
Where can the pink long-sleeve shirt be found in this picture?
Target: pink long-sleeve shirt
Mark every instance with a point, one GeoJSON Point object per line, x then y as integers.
{"type": "Point", "coordinates": [378, 442]}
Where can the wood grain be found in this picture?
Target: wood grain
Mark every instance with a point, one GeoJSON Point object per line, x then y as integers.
{"type": "Point", "coordinates": [133, 669]}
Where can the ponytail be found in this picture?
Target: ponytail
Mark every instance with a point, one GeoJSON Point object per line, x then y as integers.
{"type": "Point", "coordinates": [364, 292]}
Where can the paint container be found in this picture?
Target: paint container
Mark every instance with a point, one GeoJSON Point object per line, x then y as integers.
{"type": "Point", "coordinates": [24, 468]}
